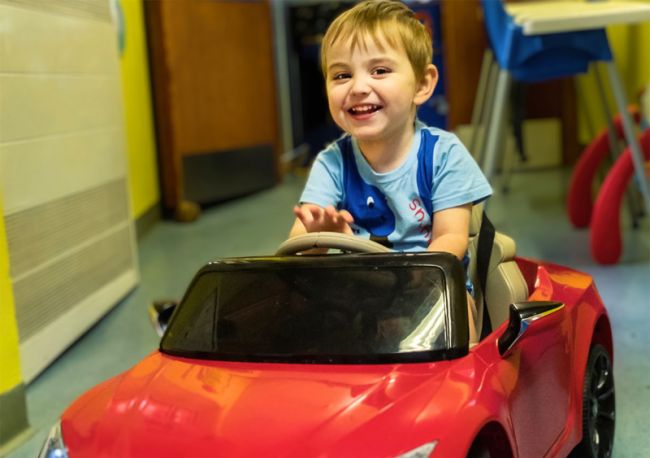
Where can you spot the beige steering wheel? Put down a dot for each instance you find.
(335, 240)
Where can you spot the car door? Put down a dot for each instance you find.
(536, 375)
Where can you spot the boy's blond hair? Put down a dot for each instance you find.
(389, 20)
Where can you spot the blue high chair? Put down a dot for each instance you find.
(542, 40)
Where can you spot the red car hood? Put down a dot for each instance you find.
(168, 406)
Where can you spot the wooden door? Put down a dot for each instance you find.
(215, 101)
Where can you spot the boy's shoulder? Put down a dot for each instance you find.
(442, 134)
(331, 155)
(445, 140)
(334, 147)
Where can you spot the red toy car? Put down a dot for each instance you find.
(359, 355)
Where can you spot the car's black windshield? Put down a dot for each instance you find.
(318, 314)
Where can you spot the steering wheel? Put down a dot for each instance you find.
(336, 240)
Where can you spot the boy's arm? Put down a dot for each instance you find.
(451, 230)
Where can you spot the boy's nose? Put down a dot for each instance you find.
(360, 86)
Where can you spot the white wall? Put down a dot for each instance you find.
(62, 171)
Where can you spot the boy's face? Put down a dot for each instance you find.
(372, 91)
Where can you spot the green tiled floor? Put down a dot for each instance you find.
(533, 213)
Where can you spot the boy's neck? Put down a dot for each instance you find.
(386, 156)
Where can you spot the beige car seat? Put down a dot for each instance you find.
(505, 283)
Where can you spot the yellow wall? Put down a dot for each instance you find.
(140, 139)
(630, 45)
(9, 357)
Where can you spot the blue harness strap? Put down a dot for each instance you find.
(425, 169)
(425, 180)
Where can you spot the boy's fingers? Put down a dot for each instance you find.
(339, 216)
(316, 218)
(332, 213)
(347, 216)
(311, 216)
(305, 216)
(315, 215)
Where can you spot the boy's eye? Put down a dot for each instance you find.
(341, 76)
(381, 71)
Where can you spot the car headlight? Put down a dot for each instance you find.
(423, 451)
(54, 447)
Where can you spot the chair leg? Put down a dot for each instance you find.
(581, 100)
(488, 106)
(615, 147)
(478, 111)
(630, 137)
(495, 133)
(508, 164)
(516, 115)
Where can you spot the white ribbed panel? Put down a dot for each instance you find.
(41, 234)
(43, 347)
(48, 293)
(62, 171)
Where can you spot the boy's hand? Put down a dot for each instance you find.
(328, 219)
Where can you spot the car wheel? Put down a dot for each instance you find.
(479, 450)
(598, 406)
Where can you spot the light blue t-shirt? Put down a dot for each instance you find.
(396, 208)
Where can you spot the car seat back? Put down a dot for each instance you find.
(505, 283)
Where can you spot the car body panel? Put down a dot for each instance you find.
(178, 404)
(173, 406)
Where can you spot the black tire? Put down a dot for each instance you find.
(598, 407)
(479, 450)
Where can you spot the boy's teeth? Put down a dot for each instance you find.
(364, 108)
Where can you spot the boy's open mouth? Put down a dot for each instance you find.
(364, 109)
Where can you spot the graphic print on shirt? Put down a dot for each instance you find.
(365, 202)
(418, 213)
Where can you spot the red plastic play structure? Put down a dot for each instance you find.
(603, 215)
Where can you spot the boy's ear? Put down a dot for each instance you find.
(427, 85)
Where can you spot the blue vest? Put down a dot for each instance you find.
(367, 204)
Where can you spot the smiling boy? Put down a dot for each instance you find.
(390, 178)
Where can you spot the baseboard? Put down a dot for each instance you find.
(14, 427)
(147, 220)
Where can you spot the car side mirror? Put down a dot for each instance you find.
(160, 313)
(522, 314)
